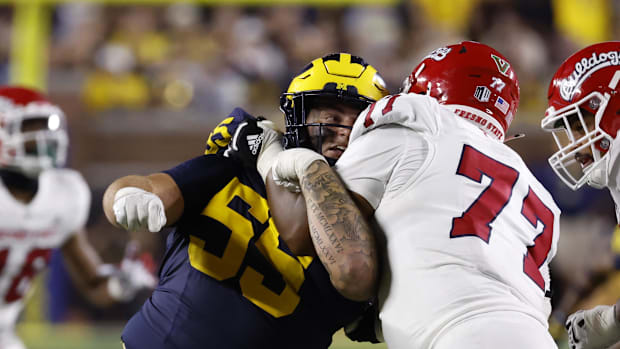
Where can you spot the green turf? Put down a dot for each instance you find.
(69, 336)
(80, 336)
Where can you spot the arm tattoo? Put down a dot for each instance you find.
(336, 225)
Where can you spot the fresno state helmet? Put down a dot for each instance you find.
(33, 133)
(341, 77)
(473, 77)
(584, 113)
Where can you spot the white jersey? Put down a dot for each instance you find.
(469, 229)
(613, 174)
(29, 232)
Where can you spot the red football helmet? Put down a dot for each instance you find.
(472, 76)
(33, 133)
(583, 98)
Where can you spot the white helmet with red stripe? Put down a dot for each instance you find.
(33, 133)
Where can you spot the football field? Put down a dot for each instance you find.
(79, 336)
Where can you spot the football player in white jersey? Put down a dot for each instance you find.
(584, 118)
(43, 207)
(469, 230)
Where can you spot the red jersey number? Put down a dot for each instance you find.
(368, 121)
(535, 211)
(476, 220)
(35, 261)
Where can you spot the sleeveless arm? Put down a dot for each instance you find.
(160, 184)
(341, 235)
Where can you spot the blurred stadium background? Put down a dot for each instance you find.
(143, 83)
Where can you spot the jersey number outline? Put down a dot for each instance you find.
(31, 266)
(220, 137)
(253, 239)
(476, 220)
(368, 121)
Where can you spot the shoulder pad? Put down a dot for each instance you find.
(71, 191)
(417, 112)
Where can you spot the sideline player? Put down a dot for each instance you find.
(584, 117)
(228, 280)
(44, 206)
(470, 231)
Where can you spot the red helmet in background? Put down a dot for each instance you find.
(472, 75)
(33, 134)
(586, 84)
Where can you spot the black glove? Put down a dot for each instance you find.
(221, 136)
(362, 329)
(253, 141)
(246, 142)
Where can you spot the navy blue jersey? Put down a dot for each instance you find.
(227, 280)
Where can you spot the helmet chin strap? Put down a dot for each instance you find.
(513, 137)
(17, 180)
(598, 178)
(330, 161)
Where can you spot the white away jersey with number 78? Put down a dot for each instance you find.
(469, 229)
(29, 232)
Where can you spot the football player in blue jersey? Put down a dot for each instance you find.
(228, 278)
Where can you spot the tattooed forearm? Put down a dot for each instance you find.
(325, 240)
(342, 238)
(323, 226)
(322, 249)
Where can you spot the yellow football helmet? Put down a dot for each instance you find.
(340, 76)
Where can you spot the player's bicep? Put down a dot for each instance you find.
(160, 184)
(170, 194)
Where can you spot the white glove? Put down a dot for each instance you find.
(291, 164)
(136, 209)
(131, 277)
(593, 329)
(272, 146)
